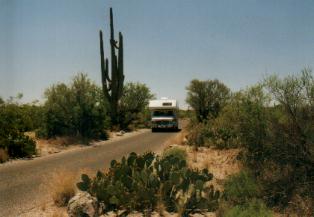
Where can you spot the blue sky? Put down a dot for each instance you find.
(167, 42)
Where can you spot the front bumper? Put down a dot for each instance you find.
(164, 124)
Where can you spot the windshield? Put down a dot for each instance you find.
(163, 113)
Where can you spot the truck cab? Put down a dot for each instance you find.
(164, 114)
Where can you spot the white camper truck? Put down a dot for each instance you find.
(164, 114)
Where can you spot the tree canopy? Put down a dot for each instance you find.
(207, 98)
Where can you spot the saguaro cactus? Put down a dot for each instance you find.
(112, 85)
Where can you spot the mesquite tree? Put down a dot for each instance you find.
(112, 85)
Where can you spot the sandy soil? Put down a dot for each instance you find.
(46, 210)
(221, 163)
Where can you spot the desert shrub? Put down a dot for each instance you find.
(207, 98)
(33, 116)
(224, 130)
(76, 109)
(17, 144)
(199, 135)
(278, 137)
(20, 145)
(220, 131)
(12, 138)
(133, 105)
(254, 208)
(241, 188)
(178, 152)
(273, 124)
(140, 182)
(252, 123)
(26, 116)
(184, 114)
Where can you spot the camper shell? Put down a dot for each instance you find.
(164, 114)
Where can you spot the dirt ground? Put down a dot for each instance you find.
(221, 163)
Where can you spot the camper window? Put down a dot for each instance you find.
(163, 114)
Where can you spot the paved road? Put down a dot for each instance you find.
(20, 181)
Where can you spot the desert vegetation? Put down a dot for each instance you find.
(75, 110)
(143, 182)
(268, 127)
(16, 119)
(272, 124)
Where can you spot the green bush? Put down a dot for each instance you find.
(221, 132)
(207, 98)
(252, 209)
(224, 130)
(133, 105)
(241, 188)
(19, 145)
(13, 125)
(141, 182)
(77, 109)
(177, 152)
(199, 135)
(273, 124)
(278, 137)
(33, 116)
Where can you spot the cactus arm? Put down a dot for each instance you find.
(113, 53)
(102, 58)
(104, 67)
(111, 27)
(120, 65)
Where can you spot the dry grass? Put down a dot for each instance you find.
(4, 156)
(221, 163)
(55, 145)
(43, 206)
(178, 139)
(301, 206)
(61, 186)
(58, 213)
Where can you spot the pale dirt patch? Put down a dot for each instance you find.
(221, 163)
(178, 139)
(50, 146)
(46, 210)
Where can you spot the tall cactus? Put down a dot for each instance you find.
(112, 86)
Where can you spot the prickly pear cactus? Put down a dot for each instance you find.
(139, 182)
